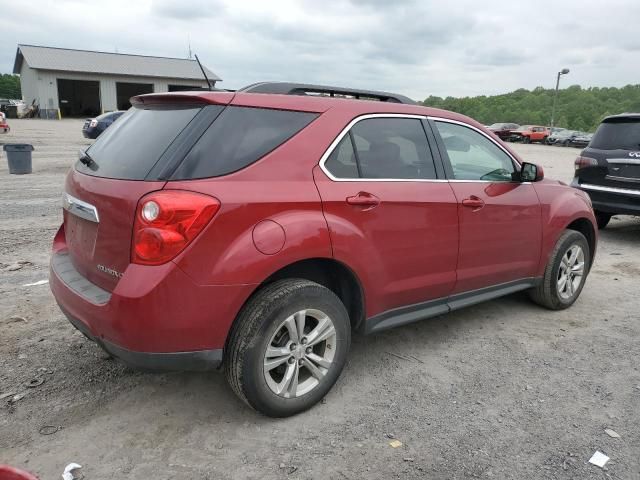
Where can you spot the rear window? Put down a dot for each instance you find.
(130, 148)
(239, 137)
(623, 134)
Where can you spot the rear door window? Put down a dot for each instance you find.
(239, 137)
(623, 134)
(129, 148)
(342, 161)
(385, 148)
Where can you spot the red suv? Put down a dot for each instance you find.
(259, 230)
(530, 133)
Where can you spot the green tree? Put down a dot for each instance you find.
(577, 108)
(10, 86)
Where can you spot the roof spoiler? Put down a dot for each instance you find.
(286, 88)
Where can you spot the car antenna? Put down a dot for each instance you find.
(203, 72)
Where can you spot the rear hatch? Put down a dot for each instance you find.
(616, 148)
(133, 157)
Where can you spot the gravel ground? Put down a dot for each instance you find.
(503, 390)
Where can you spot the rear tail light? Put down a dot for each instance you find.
(582, 162)
(93, 122)
(166, 222)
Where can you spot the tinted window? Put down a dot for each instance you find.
(393, 148)
(624, 135)
(342, 161)
(473, 156)
(239, 137)
(132, 145)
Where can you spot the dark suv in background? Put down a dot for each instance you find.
(93, 127)
(609, 168)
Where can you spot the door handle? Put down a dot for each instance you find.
(473, 202)
(364, 199)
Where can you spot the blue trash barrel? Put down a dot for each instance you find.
(19, 157)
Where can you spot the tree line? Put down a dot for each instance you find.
(10, 86)
(577, 108)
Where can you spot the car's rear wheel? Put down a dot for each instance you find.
(565, 273)
(288, 347)
(602, 219)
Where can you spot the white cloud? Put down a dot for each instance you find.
(414, 47)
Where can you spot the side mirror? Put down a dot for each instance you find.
(530, 172)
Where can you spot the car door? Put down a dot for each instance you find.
(392, 217)
(500, 219)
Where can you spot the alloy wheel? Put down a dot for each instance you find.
(300, 353)
(571, 272)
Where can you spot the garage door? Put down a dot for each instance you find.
(79, 98)
(124, 91)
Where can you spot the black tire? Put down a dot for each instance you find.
(544, 141)
(546, 293)
(526, 140)
(253, 330)
(602, 219)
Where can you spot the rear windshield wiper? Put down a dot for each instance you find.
(85, 158)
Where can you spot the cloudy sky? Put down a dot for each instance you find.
(415, 47)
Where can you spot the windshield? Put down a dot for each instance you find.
(622, 134)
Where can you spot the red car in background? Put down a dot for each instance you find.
(259, 230)
(503, 130)
(4, 126)
(530, 133)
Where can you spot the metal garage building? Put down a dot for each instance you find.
(85, 83)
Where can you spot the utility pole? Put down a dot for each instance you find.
(564, 71)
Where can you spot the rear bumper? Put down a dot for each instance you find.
(612, 200)
(156, 317)
(200, 360)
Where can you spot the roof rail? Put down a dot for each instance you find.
(286, 88)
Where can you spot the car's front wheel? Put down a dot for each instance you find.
(526, 140)
(288, 347)
(565, 273)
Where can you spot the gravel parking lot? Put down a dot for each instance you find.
(504, 389)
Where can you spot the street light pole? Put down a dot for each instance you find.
(564, 71)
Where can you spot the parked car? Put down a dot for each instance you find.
(609, 168)
(93, 127)
(562, 138)
(503, 130)
(530, 133)
(581, 140)
(4, 126)
(261, 230)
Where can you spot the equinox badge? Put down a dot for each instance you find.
(109, 271)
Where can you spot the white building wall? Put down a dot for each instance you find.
(43, 86)
(29, 84)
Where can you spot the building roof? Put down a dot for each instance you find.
(87, 61)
